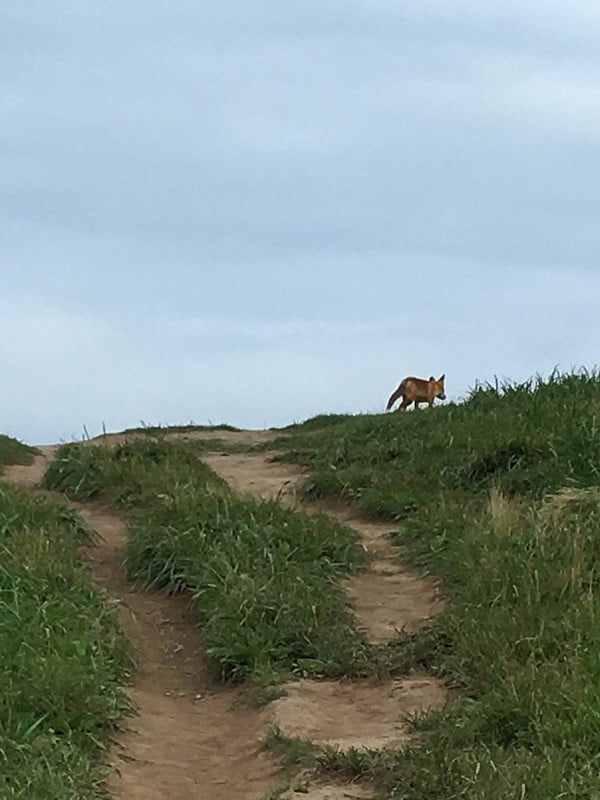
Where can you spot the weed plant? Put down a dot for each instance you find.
(14, 452)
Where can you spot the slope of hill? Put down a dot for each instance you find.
(498, 495)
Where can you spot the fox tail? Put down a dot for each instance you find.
(398, 393)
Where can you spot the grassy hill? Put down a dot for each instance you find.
(525, 439)
(499, 495)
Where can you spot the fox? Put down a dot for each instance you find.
(418, 390)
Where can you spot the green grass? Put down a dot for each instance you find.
(200, 446)
(62, 656)
(526, 439)
(157, 430)
(499, 496)
(131, 475)
(14, 452)
(265, 577)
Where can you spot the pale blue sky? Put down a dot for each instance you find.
(255, 212)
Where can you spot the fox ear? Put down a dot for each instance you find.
(431, 378)
(442, 378)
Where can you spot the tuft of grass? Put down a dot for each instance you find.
(13, 451)
(292, 750)
(130, 474)
(157, 430)
(265, 577)
(318, 423)
(62, 656)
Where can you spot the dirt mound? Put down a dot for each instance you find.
(258, 474)
(351, 714)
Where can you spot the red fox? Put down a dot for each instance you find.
(418, 390)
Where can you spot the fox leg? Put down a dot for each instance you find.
(406, 402)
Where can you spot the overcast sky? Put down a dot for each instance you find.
(253, 212)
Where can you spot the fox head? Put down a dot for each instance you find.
(439, 386)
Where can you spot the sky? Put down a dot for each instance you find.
(254, 212)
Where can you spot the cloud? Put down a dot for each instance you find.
(242, 213)
(67, 368)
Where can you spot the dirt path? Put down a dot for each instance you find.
(189, 739)
(386, 598)
(192, 740)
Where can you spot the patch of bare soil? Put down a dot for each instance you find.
(351, 714)
(231, 437)
(257, 474)
(386, 598)
(331, 792)
(188, 740)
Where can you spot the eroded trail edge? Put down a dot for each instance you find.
(189, 739)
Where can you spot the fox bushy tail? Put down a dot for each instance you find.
(398, 393)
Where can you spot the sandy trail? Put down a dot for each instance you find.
(386, 597)
(189, 740)
(193, 740)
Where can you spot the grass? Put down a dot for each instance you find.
(265, 577)
(499, 496)
(14, 452)
(192, 427)
(62, 655)
(526, 439)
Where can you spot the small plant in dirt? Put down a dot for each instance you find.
(265, 577)
(62, 656)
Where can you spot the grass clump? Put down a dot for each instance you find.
(192, 427)
(62, 656)
(132, 474)
(265, 577)
(14, 452)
